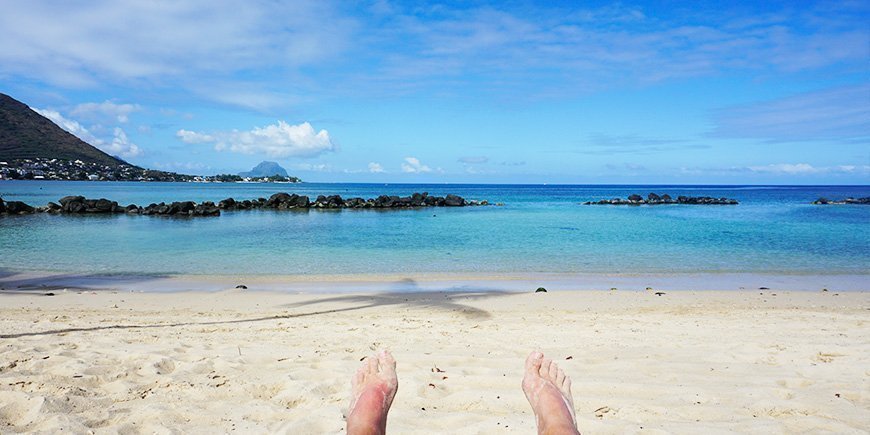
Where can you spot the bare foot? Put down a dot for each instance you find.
(373, 389)
(549, 393)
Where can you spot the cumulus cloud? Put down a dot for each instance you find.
(107, 109)
(193, 137)
(118, 145)
(375, 168)
(275, 140)
(412, 165)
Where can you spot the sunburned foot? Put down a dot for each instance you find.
(549, 393)
(373, 389)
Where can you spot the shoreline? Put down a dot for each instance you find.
(451, 282)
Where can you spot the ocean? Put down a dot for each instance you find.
(539, 229)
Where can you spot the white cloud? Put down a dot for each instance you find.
(412, 165)
(115, 111)
(807, 169)
(121, 145)
(118, 145)
(275, 140)
(193, 137)
(375, 168)
(786, 168)
(89, 43)
(313, 167)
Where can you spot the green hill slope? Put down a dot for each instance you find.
(25, 134)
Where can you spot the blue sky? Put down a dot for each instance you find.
(481, 92)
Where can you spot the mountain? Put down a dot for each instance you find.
(265, 169)
(25, 134)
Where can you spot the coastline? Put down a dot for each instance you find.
(685, 362)
(525, 282)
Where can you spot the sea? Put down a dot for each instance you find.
(536, 229)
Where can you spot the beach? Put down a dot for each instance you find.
(705, 361)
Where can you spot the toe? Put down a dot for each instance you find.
(386, 360)
(560, 377)
(372, 364)
(545, 368)
(566, 385)
(553, 372)
(533, 361)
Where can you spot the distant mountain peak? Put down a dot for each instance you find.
(25, 134)
(265, 169)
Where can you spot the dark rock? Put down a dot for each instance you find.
(242, 287)
(132, 208)
(653, 197)
(635, 198)
(103, 205)
(277, 199)
(67, 199)
(2, 206)
(452, 200)
(48, 294)
(667, 198)
(228, 203)
(541, 290)
(18, 207)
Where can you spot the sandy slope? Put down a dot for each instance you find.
(684, 362)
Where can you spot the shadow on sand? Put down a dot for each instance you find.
(440, 300)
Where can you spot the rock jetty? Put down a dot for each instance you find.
(655, 199)
(278, 201)
(826, 201)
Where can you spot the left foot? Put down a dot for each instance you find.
(373, 389)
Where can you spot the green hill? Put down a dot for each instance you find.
(25, 134)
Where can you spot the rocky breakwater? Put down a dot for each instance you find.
(82, 205)
(15, 207)
(655, 199)
(286, 201)
(856, 201)
(278, 201)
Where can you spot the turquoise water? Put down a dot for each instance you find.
(540, 229)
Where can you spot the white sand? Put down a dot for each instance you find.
(685, 362)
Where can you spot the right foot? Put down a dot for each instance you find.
(374, 387)
(549, 392)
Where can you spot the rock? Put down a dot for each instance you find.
(452, 200)
(242, 287)
(103, 205)
(2, 206)
(635, 198)
(18, 207)
(228, 203)
(541, 290)
(653, 197)
(277, 199)
(67, 199)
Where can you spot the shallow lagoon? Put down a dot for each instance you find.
(540, 229)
